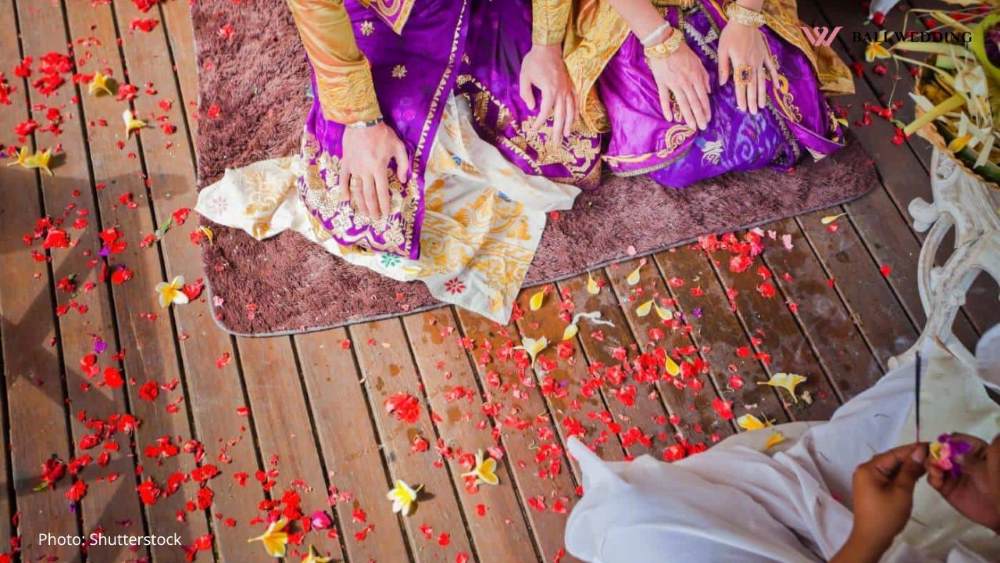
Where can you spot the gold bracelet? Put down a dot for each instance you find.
(365, 124)
(666, 47)
(745, 16)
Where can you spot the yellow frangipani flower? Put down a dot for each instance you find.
(673, 370)
(876, 50)
(533, 347)
(132, 123)
(644, 309)
(535, 303)
(172, 292)
(826, 220)
(314, 557)
(403, 497)
(26, 159)
(485, 470)
(99, 84)
(633, 278)
(775, 439)
(592, 287)
(750, 422)
(275, 538)
(40, 160)
(787, 381)
(663, 312)
(570, 332)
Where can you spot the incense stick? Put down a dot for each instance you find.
(916, 389)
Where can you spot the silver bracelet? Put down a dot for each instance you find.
(366, 124)
(649, 39)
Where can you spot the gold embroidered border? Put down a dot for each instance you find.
(579, 147)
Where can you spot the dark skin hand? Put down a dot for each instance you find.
(883, 501)
(976, 491)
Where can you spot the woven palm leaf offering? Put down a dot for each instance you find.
(957, 91)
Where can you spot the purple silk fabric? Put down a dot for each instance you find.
(499, 38)
(643, 141)
(414, 73)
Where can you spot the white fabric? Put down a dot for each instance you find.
(483, 217)
(737, 503)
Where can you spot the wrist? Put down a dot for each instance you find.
(547, 48)
(668, 46)
(869, 544)
(366, 123)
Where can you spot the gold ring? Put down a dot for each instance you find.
(743, 74)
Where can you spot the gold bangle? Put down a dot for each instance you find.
(666, 47)
(746, 16)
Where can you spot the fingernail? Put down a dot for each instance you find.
(919, 454)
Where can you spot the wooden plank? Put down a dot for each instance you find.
(501, 533)
(856, 277)
(203, 347)
(717, 332)
(535, 453)
(688, 398)
(147, 333)
(353, 459)
(37, 424)
(111, 505)
(8, 497)
(774, 332)
(561, 371)
(823, 317)
(635, 402)
(282, 422)
(384, 357)
(903, 177)
(177, 25)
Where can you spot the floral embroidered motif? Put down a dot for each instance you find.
(367, 28)
(454, 286)
(711, 152)
(399, 71)
(390, 260)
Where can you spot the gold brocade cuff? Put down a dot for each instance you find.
(745, 16)
(548, 21)
(349, 97)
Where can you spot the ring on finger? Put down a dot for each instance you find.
(743, 74)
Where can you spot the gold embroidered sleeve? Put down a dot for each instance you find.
(343, 75)
(548, 21)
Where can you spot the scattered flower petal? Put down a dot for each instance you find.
(275, 538)
(403, 497)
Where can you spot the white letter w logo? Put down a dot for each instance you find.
(821, 36)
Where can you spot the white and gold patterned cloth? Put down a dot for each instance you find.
(483, 219)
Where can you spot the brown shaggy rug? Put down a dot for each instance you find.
(256, 83)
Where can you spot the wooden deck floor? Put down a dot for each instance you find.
(301, 423)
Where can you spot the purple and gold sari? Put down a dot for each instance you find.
(796, 119)
(438, 48)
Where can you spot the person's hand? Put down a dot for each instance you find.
(743, 47)
(975, 492)
(543, 68)
(364, 168)
(681, 76)
(883, 494)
